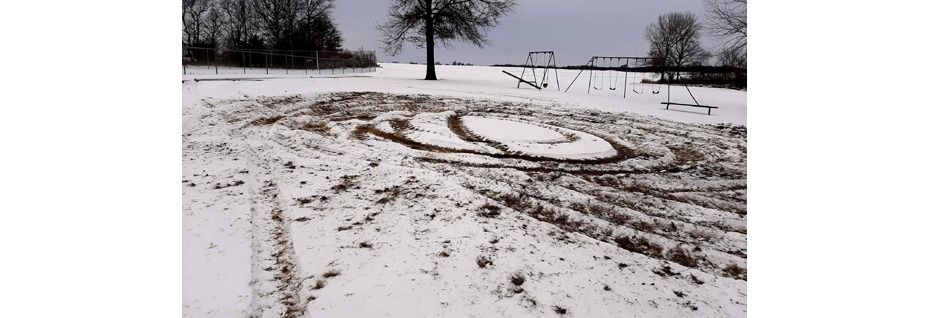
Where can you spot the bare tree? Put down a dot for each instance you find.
(192, 19)
(281, 20)
(674, 41)
(214, 24)
(734, 57)
(315, 29)
(239, 22)
(277, 18)
(727, 21)
(423, 22)
(317, 8)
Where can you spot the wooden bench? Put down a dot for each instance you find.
(667, 104)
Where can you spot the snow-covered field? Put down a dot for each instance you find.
(383, 195)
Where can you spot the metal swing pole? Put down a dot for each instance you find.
(555, 67)
(591, 75)
(625, 73)
(533, 68)
(524, 68)
(217, 69)
(579, 75)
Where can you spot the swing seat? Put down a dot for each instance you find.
(667, 104)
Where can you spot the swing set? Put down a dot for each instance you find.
(602, 68)
(608, 67)
(531, 62)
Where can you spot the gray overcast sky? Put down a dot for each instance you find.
(574, 29)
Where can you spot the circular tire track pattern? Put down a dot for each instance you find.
(669, 192)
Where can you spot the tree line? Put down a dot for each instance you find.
(260, 24)
(674, 44)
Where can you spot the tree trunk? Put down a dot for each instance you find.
(430, 44)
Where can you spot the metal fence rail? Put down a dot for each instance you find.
(197, 60)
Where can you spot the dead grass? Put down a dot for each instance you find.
(560, 310)
(696, 281)
(643, 226)
(684, 155)
(365, 244)
(483, 261)
(266, 121)
(331, 273)
(390, 194)
(735, 271)
(489, 210)
(640, 245)
(316, 127)
(346, 182)
(703, 235)
(227, 185)
(683, 257)
(456, 126)
(400, 125)
(319, 284)
(665, 271)
(517, 279)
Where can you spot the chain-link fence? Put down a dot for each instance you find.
(196, 60)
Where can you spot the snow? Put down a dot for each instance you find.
(288, 177)
(510, 131)
(539, 141)
(489, 82)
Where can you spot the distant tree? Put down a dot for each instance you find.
(727, 22)
(674, 41)
(277, 19)
(214, 24)
(424, 22)
(732, 57)
(192, 18)
(240, 22)
(319, 33)
(296, 24)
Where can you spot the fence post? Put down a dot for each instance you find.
(217, 69)
(317, 59)
(285, 65)
(266, 63)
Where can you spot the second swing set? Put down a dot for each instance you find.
(608, 68)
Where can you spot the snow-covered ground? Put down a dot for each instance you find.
(381, 194)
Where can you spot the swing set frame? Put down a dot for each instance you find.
(531, 59)
(592, 66)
